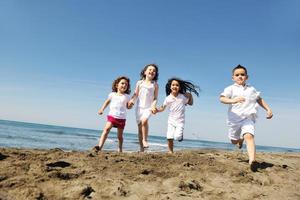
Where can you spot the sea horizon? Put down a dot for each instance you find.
(20, 134)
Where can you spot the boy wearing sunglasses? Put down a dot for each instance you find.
(243, 101)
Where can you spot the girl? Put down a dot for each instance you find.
(118, 100)
(177, 98)
(146, 93)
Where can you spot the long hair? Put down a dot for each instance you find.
(142, 74)
(115, 83)
(184, 86)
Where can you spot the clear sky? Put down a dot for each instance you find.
(58, 59)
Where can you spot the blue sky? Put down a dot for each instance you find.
(58, 59)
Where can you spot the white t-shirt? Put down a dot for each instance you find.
(118, 105)
(177, 108)
(247, 109)
(145, 94)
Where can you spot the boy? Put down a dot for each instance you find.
(243, 102)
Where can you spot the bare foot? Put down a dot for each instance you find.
(145, 144)
(96, 149)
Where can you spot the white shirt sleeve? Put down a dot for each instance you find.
(227, 92)
(257, 94)
(166, 101)
(137, 86)
(110, 96)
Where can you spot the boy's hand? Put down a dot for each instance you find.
(269, 114)
(239, 100)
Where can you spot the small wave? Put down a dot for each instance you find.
(110, 140)
(70, 133)
(50, 131)
(158, 144)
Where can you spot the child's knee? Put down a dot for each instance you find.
(248, 136)
(144, 122)
(107, 129)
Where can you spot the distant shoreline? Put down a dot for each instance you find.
(32, 135)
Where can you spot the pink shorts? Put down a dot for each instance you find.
(117, 123)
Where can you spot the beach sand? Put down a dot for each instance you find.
(198, 174)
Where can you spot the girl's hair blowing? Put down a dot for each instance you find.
(184, 86)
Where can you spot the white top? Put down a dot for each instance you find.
(177, 108)
(118, 105)
(247, 109)
(145, 94)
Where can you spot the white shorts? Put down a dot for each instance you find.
(142, 114)
(237, 130)
(175, 132)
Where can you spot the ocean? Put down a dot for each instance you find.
(41, 136)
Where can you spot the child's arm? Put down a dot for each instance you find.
(265, 106)
(190, 97)
(132, 100)
(161, 108)
(153, 106)
(128, 105)
(227, 100)
(135, 95)
(105, 104)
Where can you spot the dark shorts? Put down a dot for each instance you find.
(117, 123)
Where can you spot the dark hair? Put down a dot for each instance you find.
(240, 67)
(184, 86)
(116, 82)
(145, 68)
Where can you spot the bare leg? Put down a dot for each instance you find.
(141, 137)
(104, 134)
(170, 145)
(145, 129)
(120, 137)
(250, 147)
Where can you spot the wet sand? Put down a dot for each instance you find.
(198, 174)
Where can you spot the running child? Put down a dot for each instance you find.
(146, 92)
(243, 101)
(118, 100)
(178, 96)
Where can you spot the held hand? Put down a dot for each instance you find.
(129, 106)
(154, 110)
(131, 103)
(269, 114)
(239, 100)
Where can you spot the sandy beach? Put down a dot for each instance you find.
(197, 174)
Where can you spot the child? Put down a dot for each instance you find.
(243, 101)
(177, 98)
(146, 93)
(118, 100)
